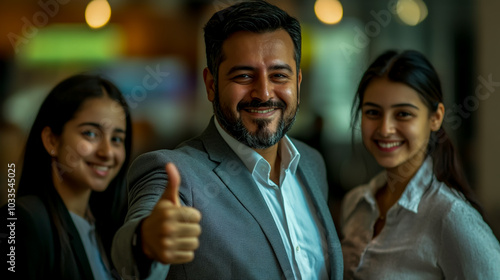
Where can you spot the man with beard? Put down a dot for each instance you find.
(252, 201)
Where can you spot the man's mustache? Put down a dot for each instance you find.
(258, 104)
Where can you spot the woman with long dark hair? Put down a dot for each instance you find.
(71, 195)
(418, 219)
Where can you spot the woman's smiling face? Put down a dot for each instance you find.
(91, 148)
(396, 124)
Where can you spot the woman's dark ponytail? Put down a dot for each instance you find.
(448, 168)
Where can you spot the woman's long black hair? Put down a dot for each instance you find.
(414, 70)
(60, 106)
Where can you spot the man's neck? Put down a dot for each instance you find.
(272, 156)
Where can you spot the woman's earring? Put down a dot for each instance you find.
(52, 152)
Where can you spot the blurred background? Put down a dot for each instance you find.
(154, 51)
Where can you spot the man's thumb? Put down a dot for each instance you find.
(174, 181)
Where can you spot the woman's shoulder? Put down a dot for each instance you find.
(33, 223)
(31, 203)
(444, 199)
(452, 209)
(466, 240)
(34, 243)
(32, 213)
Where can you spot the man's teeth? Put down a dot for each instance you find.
(260, 111)
(100, 168)
(389, 145)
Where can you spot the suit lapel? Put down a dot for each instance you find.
(243, 187)
(79, 252)
(308, 178)
(80, 256)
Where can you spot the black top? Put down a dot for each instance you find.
(37, 252)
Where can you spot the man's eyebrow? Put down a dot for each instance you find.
(250, 68)
(239, 68)
(281, 67)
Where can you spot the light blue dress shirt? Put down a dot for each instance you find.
(87, 235)
(290, 205)
(432, 232)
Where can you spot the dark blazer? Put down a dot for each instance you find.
(37, 249)
(239, 238)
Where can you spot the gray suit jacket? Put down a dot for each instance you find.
(239, 238)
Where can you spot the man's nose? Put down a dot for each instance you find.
(262, 89)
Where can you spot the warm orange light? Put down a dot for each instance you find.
(97, 13)
(328, 11)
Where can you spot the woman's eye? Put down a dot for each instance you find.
(89, 134)
(118, 139)
(371, 113)
(404, 114)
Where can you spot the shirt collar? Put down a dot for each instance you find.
(411, 197)
(290, 156)
(82, 225)
(365, 193)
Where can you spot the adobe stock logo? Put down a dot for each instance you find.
(39, 19)
(483, 91)
(149, 83)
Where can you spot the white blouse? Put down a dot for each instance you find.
(432, 232)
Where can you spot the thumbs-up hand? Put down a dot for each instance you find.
(170, 233)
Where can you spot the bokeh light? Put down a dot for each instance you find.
(411, 12)
(328, 11)
(97, 13)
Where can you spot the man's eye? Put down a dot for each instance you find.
(242, 78)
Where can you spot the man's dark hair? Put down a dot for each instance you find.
(254, 16)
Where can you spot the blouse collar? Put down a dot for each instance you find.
(411, 197)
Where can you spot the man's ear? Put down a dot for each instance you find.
(50, 141)
(299, 81)
(209, 80)
(437, 117)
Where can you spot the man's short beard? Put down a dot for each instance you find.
(262, 138)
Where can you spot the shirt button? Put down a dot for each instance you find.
(297, 248)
